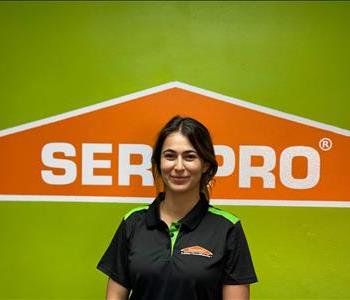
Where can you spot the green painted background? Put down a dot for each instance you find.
(58, 56)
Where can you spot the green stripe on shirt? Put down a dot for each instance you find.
(223, 213)
(134, 210)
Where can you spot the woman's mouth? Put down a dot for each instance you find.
(179, 179)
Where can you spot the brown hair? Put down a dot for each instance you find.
(199, 137)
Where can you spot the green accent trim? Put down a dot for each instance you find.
(225, 214)
(133, 210)
(173, 233)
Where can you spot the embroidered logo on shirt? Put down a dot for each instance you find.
(196, 250)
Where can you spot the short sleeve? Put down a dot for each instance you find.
(239, 267)
(114, 261)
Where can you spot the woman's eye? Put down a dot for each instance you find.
(173, 156)
(169, 156)
(190, 157)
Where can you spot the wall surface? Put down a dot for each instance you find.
(59, 56)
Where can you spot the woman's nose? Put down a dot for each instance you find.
(179, 164)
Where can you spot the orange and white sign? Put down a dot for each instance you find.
(102, 153)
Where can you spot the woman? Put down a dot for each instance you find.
(179, 247)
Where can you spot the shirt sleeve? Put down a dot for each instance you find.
(239, 267)
(114, 261)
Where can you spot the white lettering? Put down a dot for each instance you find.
(60, 170)
(126, 169)
(247, 171)
(48, 159)
(89, 164)
(228, 157)
(313, 167)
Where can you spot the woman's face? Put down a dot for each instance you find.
(181, 167)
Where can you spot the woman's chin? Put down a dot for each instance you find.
(178, 188)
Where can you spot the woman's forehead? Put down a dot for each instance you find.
(177, 141)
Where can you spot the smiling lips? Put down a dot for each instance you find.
(179, 179)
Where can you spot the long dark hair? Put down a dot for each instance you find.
(199, 137)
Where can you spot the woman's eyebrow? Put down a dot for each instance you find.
(185, 152)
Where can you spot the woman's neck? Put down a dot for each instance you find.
(176, 205)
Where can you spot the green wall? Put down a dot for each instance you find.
(58, 56)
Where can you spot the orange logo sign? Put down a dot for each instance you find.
(102, 152)
(196, 250)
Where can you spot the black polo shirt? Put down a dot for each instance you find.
(192, 259)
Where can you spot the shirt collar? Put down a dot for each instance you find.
(191, 220)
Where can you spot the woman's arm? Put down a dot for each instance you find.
(116, 291)
(235, 292)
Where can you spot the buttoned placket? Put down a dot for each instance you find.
(174, 230)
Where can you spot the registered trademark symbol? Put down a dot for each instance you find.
(325, 144)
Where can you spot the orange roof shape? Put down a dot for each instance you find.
(102, 152)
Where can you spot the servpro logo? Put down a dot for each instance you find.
(126, 169)
(197, 251)
(102, 152)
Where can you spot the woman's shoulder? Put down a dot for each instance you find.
(143, 211)
(136, 211)
(223, 214)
